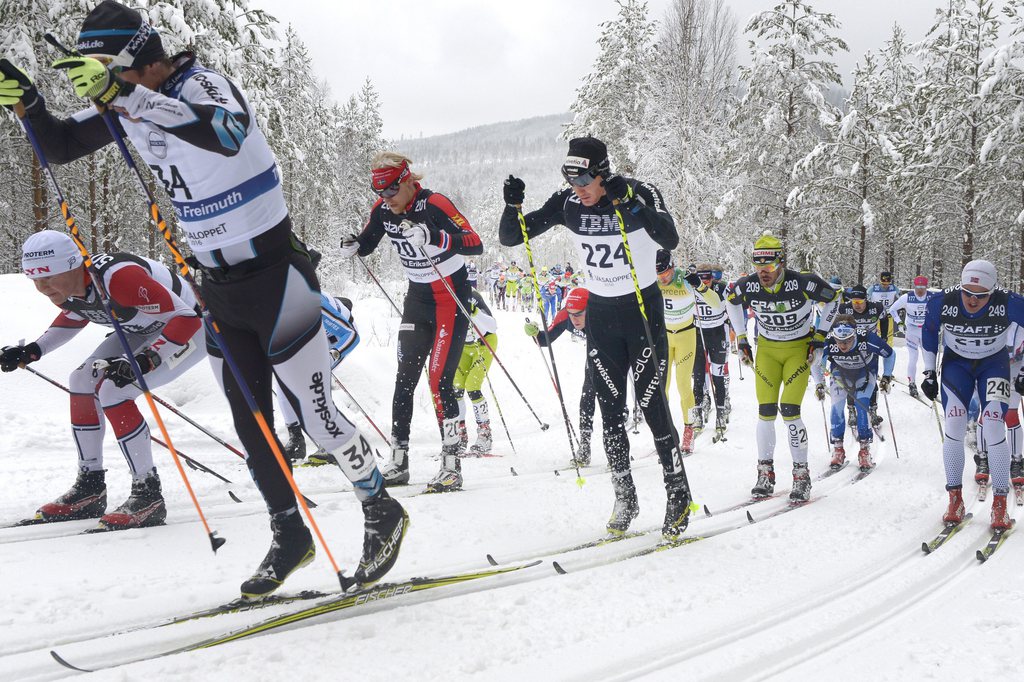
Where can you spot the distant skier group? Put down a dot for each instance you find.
(257, 313)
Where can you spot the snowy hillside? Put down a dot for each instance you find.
(838, 589)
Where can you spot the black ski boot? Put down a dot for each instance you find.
(801, 483)
(913, 390)
(765, 485)
(384, 526)
(981, 474)
(626, 508)
(295, 449)
(677, 508)
(87, 499)
(143, 508)
(873, 417)
(396, 472)
(583, 451)
(291, 549)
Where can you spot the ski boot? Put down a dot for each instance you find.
(851, 415)
(677, 507)
(765, 485)
(705, 408)
(320, 458)
(396, 471)
(626, 508)
(291, 549)
(449, 478)
(295, 449)
(583, 451)
(981, 473)
(87, 499)
(384, 526)
(483, 443)
(913, 390)
(873, 417)
(955, 511)
(698, 420)
(1017, 479)
(864, 456)
(801, 483)
(463, 437)
(1000, 517)
(721, 424)
(143, 508)
(838, 455)
(686, 447)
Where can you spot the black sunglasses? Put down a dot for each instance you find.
(583, 179)
(389, 191)
(977, 296)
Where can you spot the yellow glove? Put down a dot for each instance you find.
(92, 79)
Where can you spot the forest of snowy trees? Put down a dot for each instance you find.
(914, 163)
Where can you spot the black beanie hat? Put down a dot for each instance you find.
(586, 155)
(113, 30)
(663, 260)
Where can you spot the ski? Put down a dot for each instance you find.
(719, 435)
(994, 543)
(945, 534)
(338, 602)
(757, 500)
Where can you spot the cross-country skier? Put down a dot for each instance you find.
(975, 320)
(784, 303)
(342, 338)
(512, 279)
(851, 355)
(431, 237)
(472, 370)
(616, 336)
(913, 304)
(163, 327)
(197, 132)
(573, 319)
(680, 291)
(885, 293)
(868, 316)
(712, 345)
(551, 294)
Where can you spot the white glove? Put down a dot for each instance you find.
(349, 246)
(416, 234)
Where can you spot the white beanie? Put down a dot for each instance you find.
(49, 253)
(980, 273)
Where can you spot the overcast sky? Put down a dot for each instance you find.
(445, 65)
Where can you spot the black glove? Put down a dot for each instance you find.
(119, 370)
(515, 191)
(693, 280)
(16, 86)
(884, 383)
(13, 357)
(1018, 383)
(930, 385)
(746, 352)
(618, 189)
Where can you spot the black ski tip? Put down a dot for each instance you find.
(556, 473)
(981, 556)
(310, 503)
(750, 519)
(707, 512)
(491, 560)
(234, 497)
(191, 465)
(558, 568)
(57, 657)
(925, 548)
(545, 427)
(345, 582)
(216, 542)
(513, 470)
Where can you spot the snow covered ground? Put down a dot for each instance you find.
(839, 588)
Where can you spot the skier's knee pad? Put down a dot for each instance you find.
(789, 410)
(768, 410)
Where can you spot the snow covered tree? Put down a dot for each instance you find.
(781, 116)
(611, 100)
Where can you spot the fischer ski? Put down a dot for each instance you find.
(338, 602)
(994, 543)
(945, 534)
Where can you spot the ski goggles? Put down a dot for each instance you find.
(885, 280)
(769, 263)
(976, 296)
(578, 313)
(843, 332)
(386, 181)
(583, 179)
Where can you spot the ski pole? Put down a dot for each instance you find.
(678, 464)
(551, 352)
(213, 328)
(193, 464)
(359, 407)
(104, 298)
(824, 419)
(938, 421)
(480, 335)
(558, 392)
(500, 414)
(892, 429)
